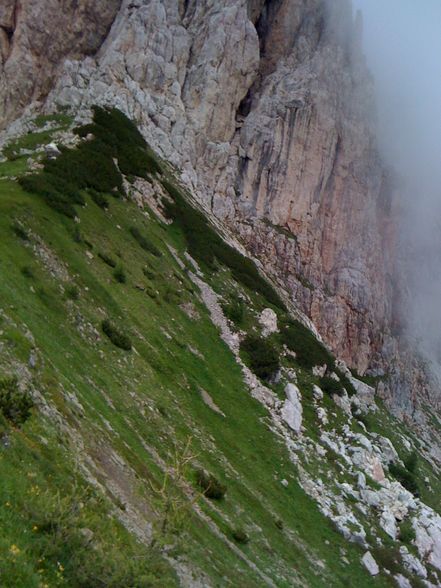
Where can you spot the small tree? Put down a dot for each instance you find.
(14, 404)
(174, 505)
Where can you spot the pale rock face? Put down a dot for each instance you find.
(370, 564)
(268, 320)
(428, 537)
(292, 408)
(35, 38)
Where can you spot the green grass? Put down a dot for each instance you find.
(124, 415)
(125, 391)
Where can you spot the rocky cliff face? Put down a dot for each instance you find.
(36, 37)
(265, 107)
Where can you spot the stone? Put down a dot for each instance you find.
(317, 392)
(361, 480)
(388, 523)
(268, 321)
(284, 483)
(52, 151)
(292, 408)
(319, 370)
(322, 415)
(402, 581)
(370, 564)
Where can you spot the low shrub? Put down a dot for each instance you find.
(148, 273)
(91, 165)
(72, 292)
(411, 462)
(107, 259)
(407, 533)
(346, 383)
(389, 558)
(331, 386)
(261, 356)
(15, 405)
(405, 477)
(309, 351)
(20, 232)
(144, 243)
(76, 235)
(234, 311)
(27, 271)
(116, 337)
(210, 486)
(206, 246)
(171, 295)
(120, 275)
(240, 536)
(99, 199)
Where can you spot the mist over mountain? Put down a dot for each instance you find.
(403, 47)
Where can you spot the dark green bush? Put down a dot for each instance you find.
(262, 357)
(99, 199)
(91, 166)
(206, 246)
(120, 275)
(309, 351)
(407, 533)
(116, 337)
(15, 405)
(331, 386)
(26, 270)
(411, 462)
(148, 273)
(234, 310)
(240, 536)
(72, 292)
(346, 383)
(20, 232)
(405, 477)
(144, 243)
(210, 486)
(388, 557)
(121, 135)
(107, 259)
(76, 235)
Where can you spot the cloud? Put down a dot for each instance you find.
(402, 43)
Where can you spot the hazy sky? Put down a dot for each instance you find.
(402, 41)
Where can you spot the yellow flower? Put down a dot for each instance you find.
(60, 567)
(8, 504)
(14, 550)
(35, 528)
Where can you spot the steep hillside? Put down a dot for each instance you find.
(266, 109)
(187, 428)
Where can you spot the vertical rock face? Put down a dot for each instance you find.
(266, 107)
(35, 38)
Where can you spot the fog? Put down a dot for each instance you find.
(402, 43)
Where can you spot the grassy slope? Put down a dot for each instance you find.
(141, 405)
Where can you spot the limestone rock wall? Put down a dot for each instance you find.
(35, 38)
(266, 108)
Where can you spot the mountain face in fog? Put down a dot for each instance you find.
(403, 48)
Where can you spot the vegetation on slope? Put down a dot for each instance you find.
(120, 418)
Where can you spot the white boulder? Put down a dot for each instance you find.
(268, 320)
(292, 408)
(370, 564)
